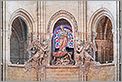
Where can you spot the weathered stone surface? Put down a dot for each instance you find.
(62, 73)
(40, 13)
(19, 73)
(103, 72)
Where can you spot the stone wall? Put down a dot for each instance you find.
(103, 73)
(40, 13)
(19, 73)
(62, 73)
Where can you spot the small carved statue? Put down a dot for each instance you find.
(79, 49)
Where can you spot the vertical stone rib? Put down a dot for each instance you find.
(118, 53)
(85, 20)
(38, 20)
(1, 40)
(4, 41)
(43, 17)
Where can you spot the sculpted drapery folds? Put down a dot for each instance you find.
(63, 39)
(63, 43)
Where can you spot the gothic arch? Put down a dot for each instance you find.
(97, 16)
(62, 14)
(27, 19)
(65, 15)
(94, 21)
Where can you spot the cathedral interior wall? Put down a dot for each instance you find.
(41, 13)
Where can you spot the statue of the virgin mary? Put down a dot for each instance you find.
(63, 40)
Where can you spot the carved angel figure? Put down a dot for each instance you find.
(79, 49)
(38, 54)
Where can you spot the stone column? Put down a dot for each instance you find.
(4, 41)
(117, 59)
(1, 33)
(120, 36)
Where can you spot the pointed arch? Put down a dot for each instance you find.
(26, 17)
(65, 15)
(96, 18)
(21, 26)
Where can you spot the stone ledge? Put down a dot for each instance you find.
(60, 67)
(107, 64)
(16, 65)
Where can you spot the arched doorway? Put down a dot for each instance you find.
(104, 40)
(62, 47)
(18, 41)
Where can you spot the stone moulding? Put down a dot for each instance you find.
(65, 14)
(25, 15)
(97, 15)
